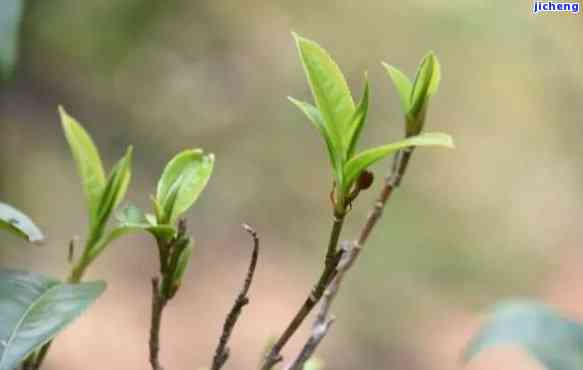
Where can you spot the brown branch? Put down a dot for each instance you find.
(158, 304)
(332, 259)
(350, 253)
(164, 287)
(222, 352)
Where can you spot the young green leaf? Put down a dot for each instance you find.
(315, 117)
(329, 88)
(19, 224)
(402, 84)
(181, 266)
(88, 162)
(115, 189)
(425, 86)
(357, 122)
(165, 232)
(554, 340)
(34, 308)
(182, 181)
(363, 160)
(132, 219)
(10, 18)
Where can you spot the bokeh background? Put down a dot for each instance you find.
(498, 217)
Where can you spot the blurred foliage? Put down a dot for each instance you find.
(469, 226)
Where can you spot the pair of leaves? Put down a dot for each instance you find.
(19, 224)
(102, 194)
(415, 95)
(181, 183)
(34, 308)
(10, 19)
(340, 122)
(554, 340)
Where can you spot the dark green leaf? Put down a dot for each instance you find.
(10, 18)
(88, 162)
(19, 224)
(33, 309)
(182, 181)
(551, 338)
(329, 88)
(363, 160)
(402, 84)
(357, 121)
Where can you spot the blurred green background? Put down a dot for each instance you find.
(497, 217)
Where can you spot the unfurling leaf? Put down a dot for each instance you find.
(315, 117)
(402, 84)
(133, 219)
(182, 181)
(182, 263)
(357, 121)
(363, 160)
(554, 340)
(19, 224)
(415, 95)
(34, 308)
(329, 88)
(116, 188)
(88, 163)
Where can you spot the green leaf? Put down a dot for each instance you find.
(88, 162)
(329, 89)
(181, 183)
(357, 121)
(10, 18)
(363, 160)
(554, 340)
(316, 118)
(165, 232)
(133, 219)
(115, 189)
(34, 308)
(402, 84)
(425, 86)
(19, 224)
(181, 265)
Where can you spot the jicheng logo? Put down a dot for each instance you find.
(556, 7)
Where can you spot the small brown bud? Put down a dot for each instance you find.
(365, 180)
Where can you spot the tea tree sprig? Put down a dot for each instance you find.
(428, 75)
(103, 194)
(340, 122)
(182, 181)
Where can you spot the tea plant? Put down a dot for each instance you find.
(34, 308)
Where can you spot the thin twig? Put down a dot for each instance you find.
(328, 273)
(222, 352)
(350, 253)
(158, 304)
